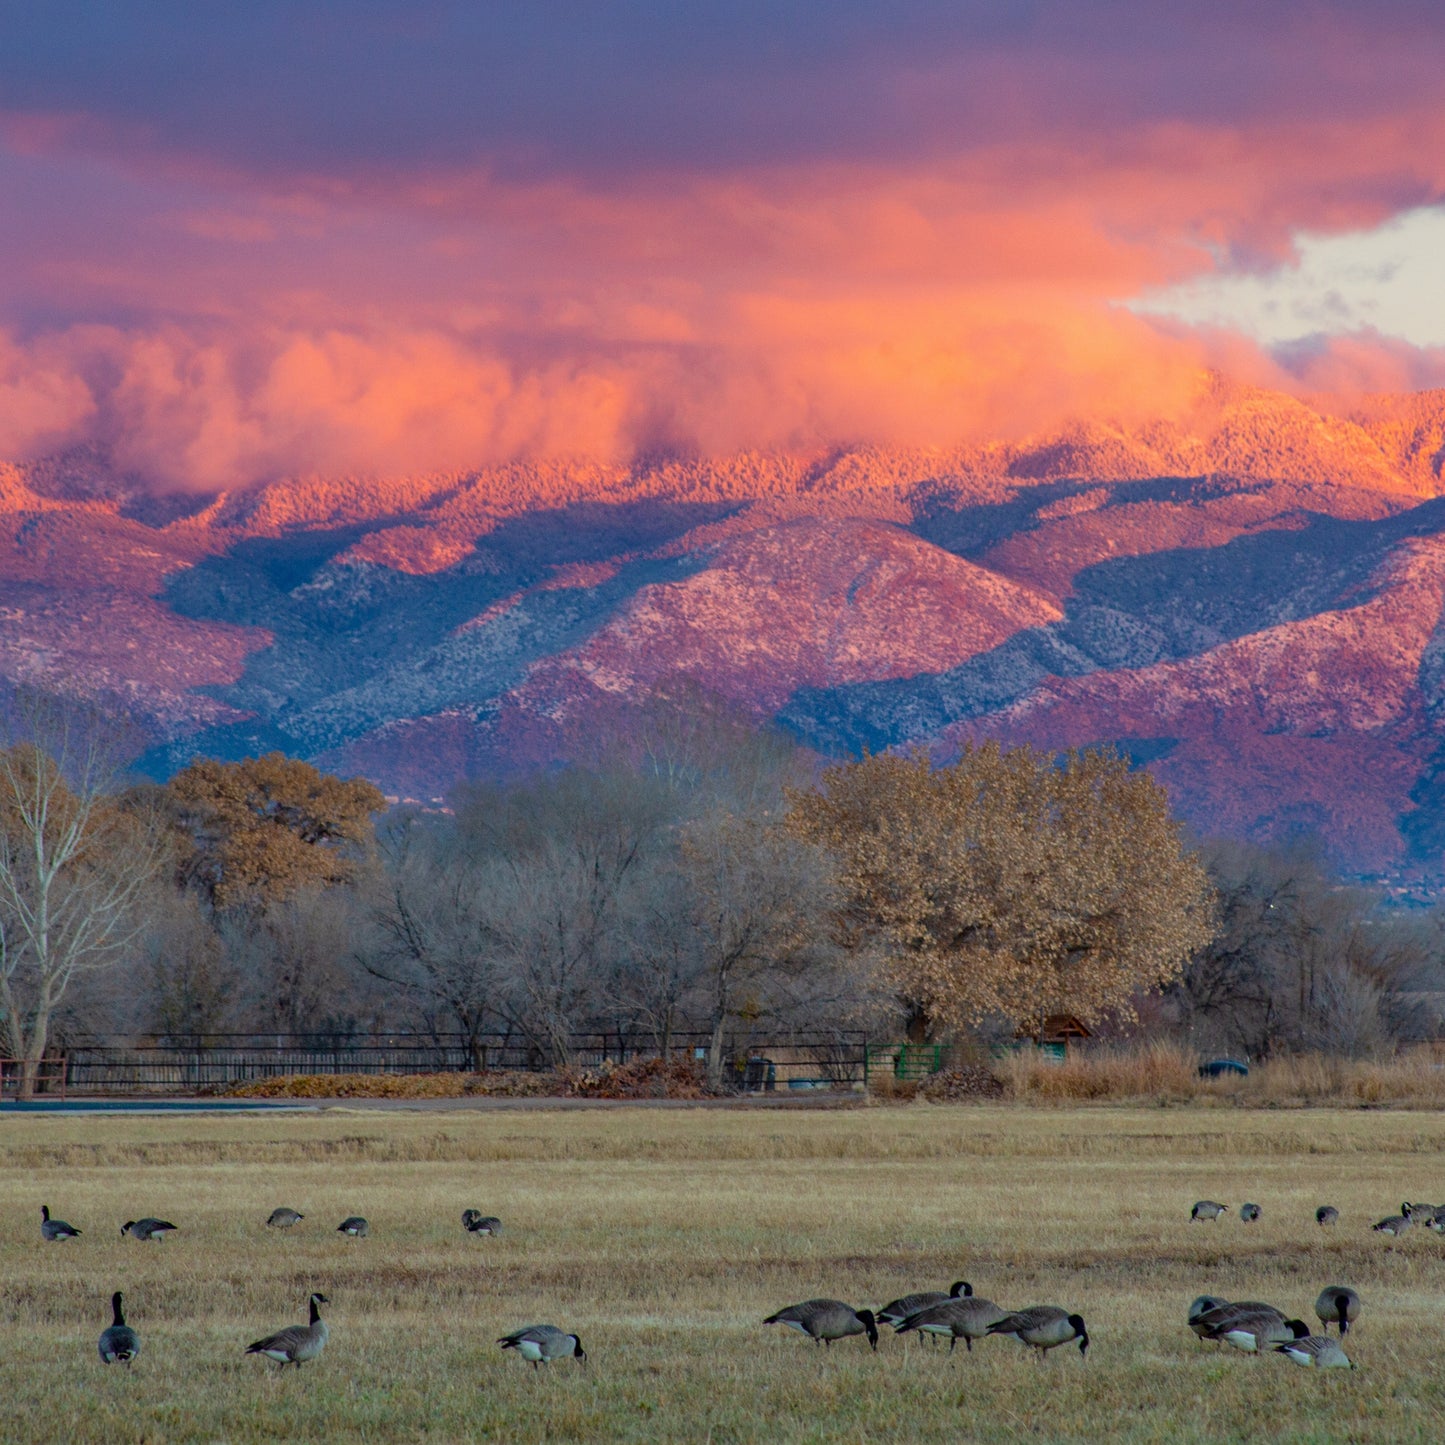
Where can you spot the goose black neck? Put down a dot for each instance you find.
(115, 1308)
(315, 1310)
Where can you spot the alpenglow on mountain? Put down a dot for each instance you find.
(1248, 601)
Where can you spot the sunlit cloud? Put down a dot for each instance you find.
(465, 235)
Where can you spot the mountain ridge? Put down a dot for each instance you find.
(1250, 593)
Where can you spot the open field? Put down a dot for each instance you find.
(664, 1237)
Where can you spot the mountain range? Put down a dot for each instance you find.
(1247, 598)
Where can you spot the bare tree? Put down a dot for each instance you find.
(760, 902)
(436, 930)
(73, 864)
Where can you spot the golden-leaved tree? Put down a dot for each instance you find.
(1011, 883)
(266, 828)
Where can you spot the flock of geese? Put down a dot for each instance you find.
(957, 1314)
(119, 1344)
(1430, 1216)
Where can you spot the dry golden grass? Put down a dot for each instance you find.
(1168, 1072)
(664, 1237)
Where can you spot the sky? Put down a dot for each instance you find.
(247, 241)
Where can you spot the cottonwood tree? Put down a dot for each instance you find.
(267, 828)
(73, 865)
(1012, 883)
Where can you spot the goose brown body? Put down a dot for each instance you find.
(960, 1319)
(1044, 1327)
(826, 1320)
(1338, 1305)
(296, 1343)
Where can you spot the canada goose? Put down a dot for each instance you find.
(899, 1310)
(1211, 1324)
(55, 1229)
(1201, 1306)
(1436, 1221)
(147, 1228)
(1327, 1214)
(284, 1218)
(1338, 1305)
(1251, 1332)
(1043, 1327)
(1395, 1224)
(826, 1320)
(543, 1343)
(1319, 1352)
(967, 1319)
(118, 1341)
(355, 1226)
(296, 1343)
(1248, 1213)
(475, 1222)
(1207, 1209)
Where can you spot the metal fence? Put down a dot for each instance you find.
(793, 1060)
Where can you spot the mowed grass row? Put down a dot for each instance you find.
(663, 1238)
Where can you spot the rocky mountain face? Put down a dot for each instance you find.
(1247, 599)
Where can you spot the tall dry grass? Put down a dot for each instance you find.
(1169, 1072)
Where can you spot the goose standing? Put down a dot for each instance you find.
(118, 1342)
(284, 1218)
(475, 1222)
(1327, 1214)
(966, 1319)
(1043, 1327)
(895, 1312)
(826, 1320)
(1208, 1209)
(146, 1228)
(1317, 1352)
(1395, 1224)
(541, 1344)
(355, 1226)
(296, 1343)
(55, 1230)
(1338, 1305)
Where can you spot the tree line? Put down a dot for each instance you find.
(704, 875)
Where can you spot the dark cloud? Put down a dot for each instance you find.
(571, 86)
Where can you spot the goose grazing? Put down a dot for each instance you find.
(966, 1319)
(1043, 1328)
(542, 1344)
(1202, 1306)
(1395, 1224)
(296, 1343)
(1317, 1352)
(1338, 1305)
(284, 1218)
(55, 1229)
(826, 1320)
(355, 1226)
(1327, 1214)
(147, 1229)
(475, 1222)
(1251, 1333)
(1207, 1209)
(895, 1312)
(118, 1342)
(1248, 1213)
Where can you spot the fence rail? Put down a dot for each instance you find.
(796, 1060)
